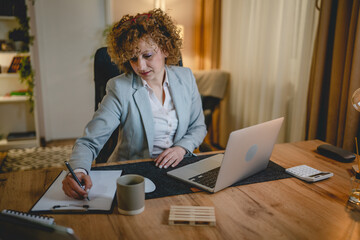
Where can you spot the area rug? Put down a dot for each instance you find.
(35, 158)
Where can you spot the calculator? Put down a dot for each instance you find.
(308, 174)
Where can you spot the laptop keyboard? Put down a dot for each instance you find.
(207, 178)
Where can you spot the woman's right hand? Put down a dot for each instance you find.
(72, 189)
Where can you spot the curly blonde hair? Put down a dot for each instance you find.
(155, 26)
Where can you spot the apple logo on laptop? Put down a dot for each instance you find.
(251, 152)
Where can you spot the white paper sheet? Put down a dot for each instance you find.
(101, 194)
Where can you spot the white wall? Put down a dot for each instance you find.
(68, 33)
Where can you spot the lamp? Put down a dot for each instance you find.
(356, 99)
(160, 4)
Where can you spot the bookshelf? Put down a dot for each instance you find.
(15, 115)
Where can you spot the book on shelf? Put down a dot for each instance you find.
(16, 136)
(21, 92)
(16, 63)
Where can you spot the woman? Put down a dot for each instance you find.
(157, 105)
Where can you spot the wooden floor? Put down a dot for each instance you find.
(60, 142)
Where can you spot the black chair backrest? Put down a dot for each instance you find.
(104, 70)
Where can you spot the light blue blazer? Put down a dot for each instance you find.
(127, 104)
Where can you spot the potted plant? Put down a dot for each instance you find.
(19, 37)
(27, 77)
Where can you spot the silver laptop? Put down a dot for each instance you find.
(247, 152)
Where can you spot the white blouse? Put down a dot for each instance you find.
(165, 119)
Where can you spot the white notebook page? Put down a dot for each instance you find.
(101, 194)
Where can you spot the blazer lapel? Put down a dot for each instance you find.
(142, 102)
(176, 90)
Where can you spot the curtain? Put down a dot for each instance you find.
(207, 49)
(267, 48)
(335, 75)
(207, 35)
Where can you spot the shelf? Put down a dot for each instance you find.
(10, 82)
(13, 99)
(9, 52)
(14, 53)
(9, 76)
(6, 145)
(8, 18)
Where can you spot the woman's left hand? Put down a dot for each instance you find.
(171, 156)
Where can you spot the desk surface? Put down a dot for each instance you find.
(282, 209)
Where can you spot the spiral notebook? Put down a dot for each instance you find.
(20, 225)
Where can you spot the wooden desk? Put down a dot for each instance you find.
(283, 209)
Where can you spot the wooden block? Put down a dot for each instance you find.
(192, 215)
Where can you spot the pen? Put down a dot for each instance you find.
(74, 176)
(71, 205)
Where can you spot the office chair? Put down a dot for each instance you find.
(209, 104)
(104, 70)
(212, 85)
